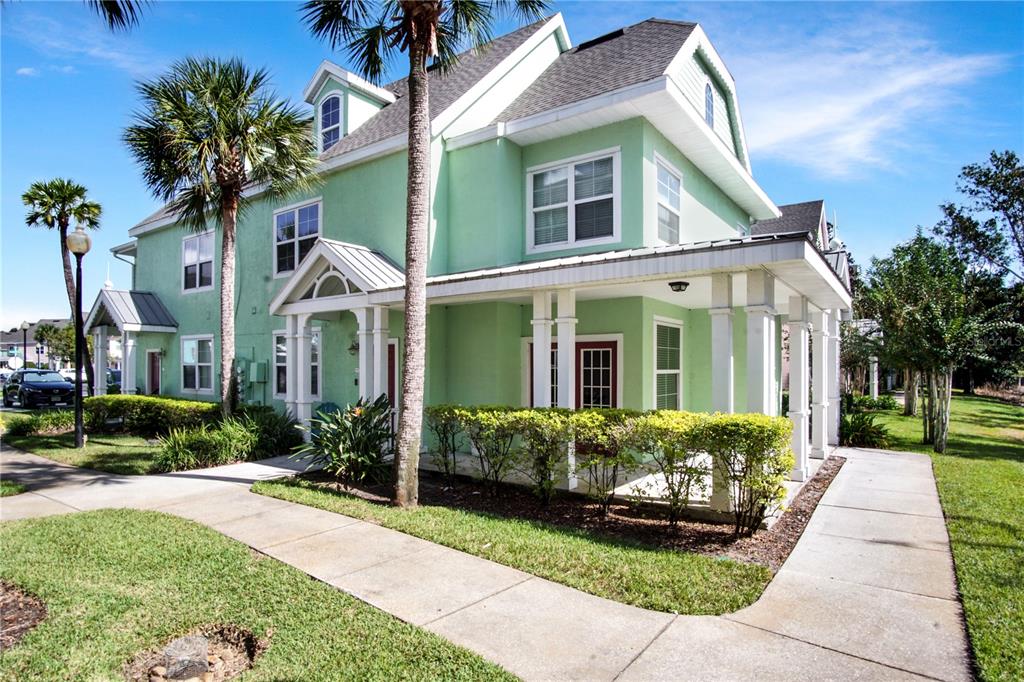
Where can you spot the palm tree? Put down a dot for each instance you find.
(55, 204)
(118, 14)
(209, 130)
(426, 30)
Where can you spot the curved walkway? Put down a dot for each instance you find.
(868, 592)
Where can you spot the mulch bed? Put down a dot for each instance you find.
(625, 521)
(19, 613)
(231, 651)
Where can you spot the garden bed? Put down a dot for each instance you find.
(19, 613)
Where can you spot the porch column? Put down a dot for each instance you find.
(541, 349)
(873, 376)
(128, 362)
(566, 322)
(364, 316)
(761, 343)
(721, 373)
(798, 386)
(820, 376)
(380, 350)
(834, 395)
(291, 371)
(303, 397)
(99, 357)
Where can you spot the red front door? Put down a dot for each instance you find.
(597, 374)
(153, 370)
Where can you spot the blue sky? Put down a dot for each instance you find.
(873, 107)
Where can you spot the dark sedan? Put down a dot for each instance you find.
(38, 388)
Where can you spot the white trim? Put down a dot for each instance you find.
(661, 321)
(525, 341)
(571, 241)
(660, 160)
(318, 118)
(477, 136)
(160, 359)
(318, 331)
(198, 263)
(181, 364)
(345, 77)
(294, 208)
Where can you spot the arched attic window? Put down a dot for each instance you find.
(709, 105)
(330, 121)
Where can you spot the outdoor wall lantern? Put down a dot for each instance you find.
(678, 286)
(353, 348)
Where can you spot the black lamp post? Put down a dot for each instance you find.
(78, 244)
(24, 344)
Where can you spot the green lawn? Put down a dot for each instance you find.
(119, 582)
(116, 453)
(660, 579)
(981, 484)
(8, 487)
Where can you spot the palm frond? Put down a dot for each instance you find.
(336, 21)
(119, 14)
(58, 202)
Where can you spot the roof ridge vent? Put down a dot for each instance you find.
(617, 33)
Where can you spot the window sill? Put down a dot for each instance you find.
(197, 290)
(568, 246)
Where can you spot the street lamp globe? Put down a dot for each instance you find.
(79, 242)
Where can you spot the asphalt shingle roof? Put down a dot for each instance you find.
(624, 57)
(802, 217)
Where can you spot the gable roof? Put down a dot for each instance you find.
(131, 311)
(445, 89)
(624, 57)
(802, 217)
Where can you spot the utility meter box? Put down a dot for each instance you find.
(258, 372)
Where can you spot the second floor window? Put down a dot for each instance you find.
(573, 203)
(330, 122)
(669, 186)
(709, 105)
(197, 262)
(295, 232)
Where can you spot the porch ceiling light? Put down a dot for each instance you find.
(678, 286)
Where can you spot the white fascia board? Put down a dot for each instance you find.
(328, 69)
(124, 249)
(94, 310)
(484, 134)
(460, 105)
(820, 265)
(567, 111)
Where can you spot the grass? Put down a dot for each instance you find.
(117, 582)
(659, 579)
(9, 487)
(981, 485)
(116, 453)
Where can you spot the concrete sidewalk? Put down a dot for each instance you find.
(868, 593)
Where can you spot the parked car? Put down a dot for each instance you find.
(38, 387)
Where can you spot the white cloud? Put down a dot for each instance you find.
(845, 98)
(66, 69)
(27, 71)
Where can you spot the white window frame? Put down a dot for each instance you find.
(181, 362)
(320, 130)
(293, 208)
(660, 321)
(744, 230)
(660, 160)
(709, 104)
(213, 261)
(616, 197)
(318, 331)
(525, 354)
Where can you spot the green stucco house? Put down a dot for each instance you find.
(597, 238)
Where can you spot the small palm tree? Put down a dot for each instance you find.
(425, 30)
(208, 130)
(55, 204)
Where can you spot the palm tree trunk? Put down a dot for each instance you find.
(69, 284)
(228, 376)
(410, 418)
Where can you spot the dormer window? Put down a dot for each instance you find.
(709, 105)
(330, 121)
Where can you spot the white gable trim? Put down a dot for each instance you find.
(328, 69)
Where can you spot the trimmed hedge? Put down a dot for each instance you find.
(42, 423)
(146, 415)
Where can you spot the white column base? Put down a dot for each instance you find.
(800, 446)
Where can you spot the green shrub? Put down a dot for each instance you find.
(751, 453)
(492, 430)
(352, 444)
(443, 423)
(859, 430)
(276, 433)
(543, 455)
(146, 415)
(672, 444)
(203, 446)
(603, 459)
(863, 403)
(42, 423)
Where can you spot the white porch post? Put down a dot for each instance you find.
(99, 343)
(820, 376)
(833, 378)
(798, 370)
(542, 349)
(303, 397)
(721, 373)
(291, 372)
(873, 376)
(364, 316)
(128, 363)
(380, 351)
(761, 342)
(566, 322)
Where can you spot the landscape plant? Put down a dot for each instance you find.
(446, 437)
(492, 430)
(42, 423)
(205, 445)
(145, 415)
(351, 444)
(671, 444)
(603, 458)
(545, 438)
(278, 433)
(859, 430)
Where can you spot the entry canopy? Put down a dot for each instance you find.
(130, 311)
